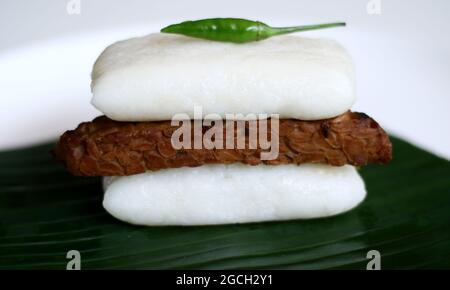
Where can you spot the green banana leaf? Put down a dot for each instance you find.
(45, 212)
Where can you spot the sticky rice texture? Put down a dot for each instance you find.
(159, 75)
(236, 193)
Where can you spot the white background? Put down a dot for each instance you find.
(402, 57)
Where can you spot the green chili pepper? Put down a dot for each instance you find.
(235, 29)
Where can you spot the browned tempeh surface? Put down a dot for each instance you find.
(105, 147)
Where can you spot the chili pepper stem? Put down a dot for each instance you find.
(285, 30)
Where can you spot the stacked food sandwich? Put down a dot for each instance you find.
(299, 89)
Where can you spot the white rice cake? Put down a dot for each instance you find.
(159, 75)
(235, 193)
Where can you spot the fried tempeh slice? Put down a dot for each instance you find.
(105, 147)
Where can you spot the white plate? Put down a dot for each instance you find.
(46, 55)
